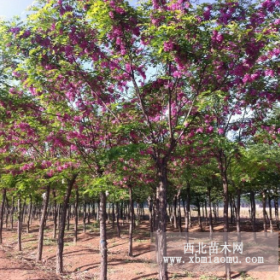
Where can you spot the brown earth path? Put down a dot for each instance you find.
(13, 269)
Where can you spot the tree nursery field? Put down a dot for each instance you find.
(129, 131)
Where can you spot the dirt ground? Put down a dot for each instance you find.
(81, 260)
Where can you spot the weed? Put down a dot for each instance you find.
(189, 274)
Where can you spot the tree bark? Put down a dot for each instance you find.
(54, 214)
(198, 215)
(88, 214)
(270, 213)
(84, 216)
(117, 220)
(253, 213)
(151, 219)
(253, 210)
(19, 227)
(4, 192)
(276, 211)
(188, 208)
(23, 212)
(179, 213)
(210, 213)
(76, 216)
(103, 236)
(42, 225)
(61, 227)
(7, 211)
(12, 213)
(131, 208)
(68, 216)
(98, 207)
(223, 171)
(29, 214)
(225, 198)
(238, 213)
(113, 215)
(175, 211)
(264, 211)
(161, 221)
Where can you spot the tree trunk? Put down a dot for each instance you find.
(155, 211)
(12, 213)
(7, 212)
(276, 211)
(76, 216)
(61, 227)
(215, 212)
(253, 210)
(54, 214)
(121, 213)
(238, 214)
(264, 211)
(223, 171)
(42, 224)
(98, 207)
(93, 211)
(29, 214)
(231, 210)
(4, 192)
(84, 216)
(88, 214)
(188, 208)
(68, 217)
(210, 213)
(138, 218)
(103, 236)
(113, 215)
(270, 214)
(117, 220)
(206, 214)
(175, 211)
(169, 213)
(225, 198)
(23, 212)
(19, 228)
(237, 210)
(199, 216)
(161, 221)
(131, 208)
(179, 213)
(253, 213)
(151, 220)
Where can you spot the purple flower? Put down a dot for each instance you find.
(120, 10)
(254, 76)
(26, 34)
(199, 130)
(15, 30)
(247, 78)
(177, 74)
(111, 14)
(168, 46)
(207, 14)
(269, 73)
(156, 4)
(221, 131)
(210, 129)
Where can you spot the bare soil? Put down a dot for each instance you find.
(81, 260)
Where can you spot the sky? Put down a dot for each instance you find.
(9, 8)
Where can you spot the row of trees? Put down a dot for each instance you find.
(154, 101)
